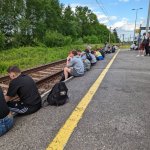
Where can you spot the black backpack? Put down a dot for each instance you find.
(102, 53)
(144, 42)
(88, 56)
(58, 95)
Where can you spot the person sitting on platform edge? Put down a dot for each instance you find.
(75, 66)
(6, 118)
(93, 61)
(25, 87)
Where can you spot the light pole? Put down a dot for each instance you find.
(148, 19)
(135, 21)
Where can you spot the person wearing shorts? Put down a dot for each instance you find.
(23, 86)
(6, 118)
(75, 65)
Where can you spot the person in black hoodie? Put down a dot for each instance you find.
(147, 47)
(23, 86)
(6, 118)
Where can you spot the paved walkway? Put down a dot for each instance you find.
(116, 119)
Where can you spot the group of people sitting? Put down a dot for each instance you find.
(78, 62)
(29, 100)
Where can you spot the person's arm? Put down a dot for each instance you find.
(70, 63)
(8, 98)
(68, 60)
(12, 91)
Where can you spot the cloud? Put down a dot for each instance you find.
(123, 0)
(124, 24)
(105, 19)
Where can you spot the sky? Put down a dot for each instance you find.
(116, 13)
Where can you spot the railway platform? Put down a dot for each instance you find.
(112, 116)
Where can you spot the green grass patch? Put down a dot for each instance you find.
(28, 57)
(126, 46)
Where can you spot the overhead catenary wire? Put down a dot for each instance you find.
(101, 5)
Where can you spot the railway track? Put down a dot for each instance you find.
(45, 76)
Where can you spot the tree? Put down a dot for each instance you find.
(117, 40)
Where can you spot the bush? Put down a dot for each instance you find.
(67, 40)
(2, 41)
(91, 39)
(53, 39)
(78, 41)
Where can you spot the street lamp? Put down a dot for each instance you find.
(137, 9)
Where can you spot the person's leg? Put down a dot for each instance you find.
(6, 124)
(17, 107)
(66, 72)
(146, 50)
(31, 109)
(149, 50)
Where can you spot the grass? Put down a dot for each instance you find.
(126, 46)
(28, 57)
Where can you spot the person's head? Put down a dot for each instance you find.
(148, 34)
(73, 53)
(79, 52)
(144, 34)
(87, 51)
(92, 52)
(13, 72)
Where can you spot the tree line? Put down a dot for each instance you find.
(50, 23)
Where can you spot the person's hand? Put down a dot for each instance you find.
(5, 92)
(68, 58)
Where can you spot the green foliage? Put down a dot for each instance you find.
(2, 41)
(28, 57)
(91, 39)
(29, 22)
(56, 39)
(79, 41)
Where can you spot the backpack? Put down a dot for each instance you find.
(103, 53)
(88, 56)
(144, 42)
(58, 95)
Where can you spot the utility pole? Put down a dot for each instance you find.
(148, 19)
(135, 21)
(123, 38)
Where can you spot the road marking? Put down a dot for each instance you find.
(62, 137)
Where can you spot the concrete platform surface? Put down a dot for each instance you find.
(118, 117)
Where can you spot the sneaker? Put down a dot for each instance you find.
(138, 56)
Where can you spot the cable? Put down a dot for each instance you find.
(100, 4)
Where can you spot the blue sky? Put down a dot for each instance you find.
(119, 13)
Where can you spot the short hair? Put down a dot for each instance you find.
(144, 33)
(92, 52)
(78, 50)
(87, 51)
(14, 69)
(74, 52)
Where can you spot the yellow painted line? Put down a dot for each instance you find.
(62, 137)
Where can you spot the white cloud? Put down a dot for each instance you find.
(105, 19)
(124, 24)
